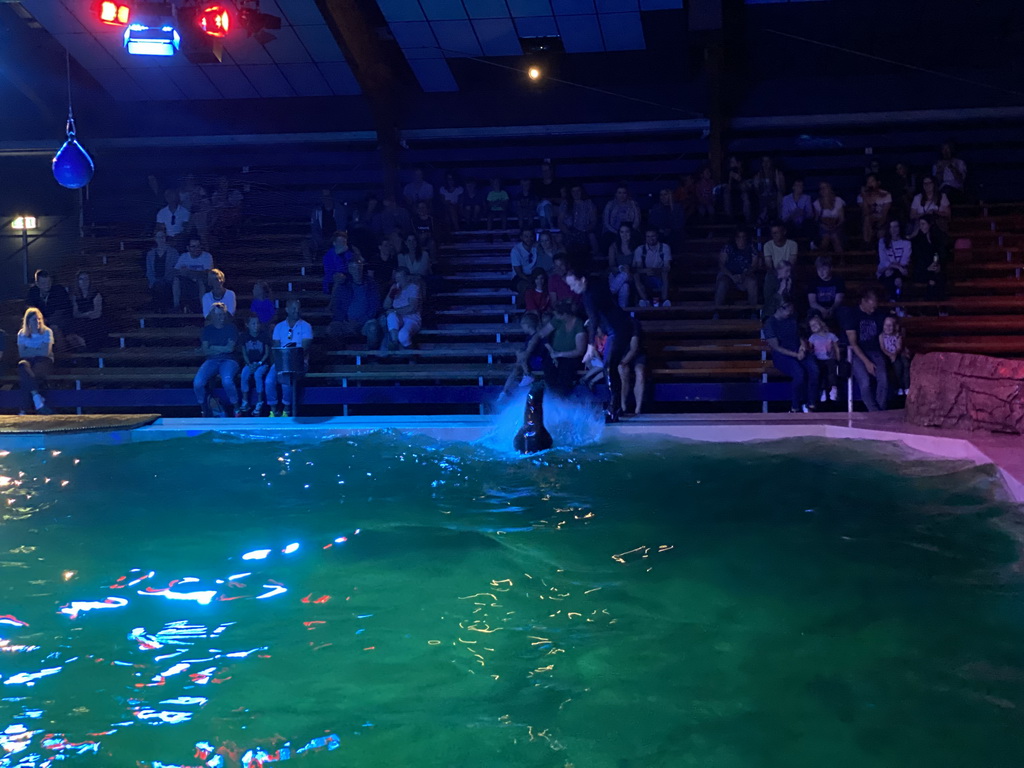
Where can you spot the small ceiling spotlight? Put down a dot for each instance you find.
(534, 73)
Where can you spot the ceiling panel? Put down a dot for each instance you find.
(441, 10)
(193, 83)
(456, 38)
(529, 8)
(305, 79)
(157, 84)
(55, 16)
(580, 34)
(537, 26)
(661, 5)
(487, 9)
(414, 35)
(299, 12)
(288, 48)
(87, 51)
(617, 6)
(434, 75)
(401, 10)
(268, 80)
(320, 42)
(497, 37)
(572, 7)
(339, 77)
(118, 82)
(245, 50)
(622, 31)
(230, 81)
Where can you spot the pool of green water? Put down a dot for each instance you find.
(393, 601)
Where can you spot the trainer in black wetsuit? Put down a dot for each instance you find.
(604, 312)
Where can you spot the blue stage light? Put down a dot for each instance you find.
(142, 40)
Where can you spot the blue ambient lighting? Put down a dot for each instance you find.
(141, 40)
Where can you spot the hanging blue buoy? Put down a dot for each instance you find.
(72, 166)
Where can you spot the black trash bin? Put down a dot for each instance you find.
(290, 361)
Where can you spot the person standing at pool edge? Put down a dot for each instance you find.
(604, 313)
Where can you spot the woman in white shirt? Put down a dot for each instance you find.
(829, 211)
(930, 202)
(35, 348)
(893, 259)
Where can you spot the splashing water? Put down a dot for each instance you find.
(570, 422)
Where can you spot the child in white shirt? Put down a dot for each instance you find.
(826, 355)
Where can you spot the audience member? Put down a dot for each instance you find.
(391, 220)
(219, 293)
(538, 298)
(160, 262)
(524, 261)
(620, 283)
(520, 375)
(798, 212)
(415, 257)
(633, 369)
(768, 184)
(896, 356)
(566, 343)
(336, 259)
(549, 195)
(418, 190)
(262, 304)
(88, 329)
(577, 221)
(451, 195)
(604, 314)
(829, 210)
(293, 331)
(35, 348)
(875, 203)
(930, 202)
(705, 195)
(862, 325)
(423, 222)
(620, 210)
(736, 192)
(190, 279)
(901, 186)
(219, 339)
(525, 204)
(383, 261)
(778, 285)
(473, 202)
(327, 218)
(52, 300)
(777, 251)
(652, 262)
(827, 290)
(545, 251)
(929, 258)
(497, 205)
(557, 285)
(893, 260)
(669, 219)
(173, 216)
(684, 196)
(951, 173)
(622, 250)
(825, 346)
(737, 266)
(255, 365)
(402, 308)
(355, 306)
(789, 356)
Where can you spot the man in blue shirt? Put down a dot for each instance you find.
(355, 305)
(219, 339)
(863, 325)
(790, 356)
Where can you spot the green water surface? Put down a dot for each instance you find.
(637, 604)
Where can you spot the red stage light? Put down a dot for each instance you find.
(215, 20)
(114, 13)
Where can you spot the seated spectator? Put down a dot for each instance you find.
(875, 203)
(190, 279)
(863, 325)
(497, 205)
(778, 285)
(737, 266)
(160, 262)
(768, 185)
(219, 293)
(545, 251)
(633, 370)
(327, 218)
(423, 222)
(415, 258)
(293, 331)
(88, 330)
(620, 210)
(53, 301)
(930, 202)
(226, 211)
(622, 250)
(418, 190)
(525, 204)
(557, 285)
(174, 216)
(391, 220)
(263, 303)
(825, 346)
(789, 356)
(565, 339)
(704, 195)
(383, 262)
(219, 339)
(361, 236)
(524, 261)
(893, 260)
(255, 365)
(402, 307)
(620, 283)
(684, 197)
(736, 192)
(896, 356)
(929, 260)
(35, 348)
(549, 195)
(797, 211)
(520, 375)
(336, 259)
(451, 195)
(577, 221)
(951, 174)
(472, 204)
(829, 211)
(779, 250)
(669, 219)
(901, 186)
(652, 262)
(355, 306)
(827, 290)
(538, 298)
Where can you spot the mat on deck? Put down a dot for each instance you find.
(20, 425)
